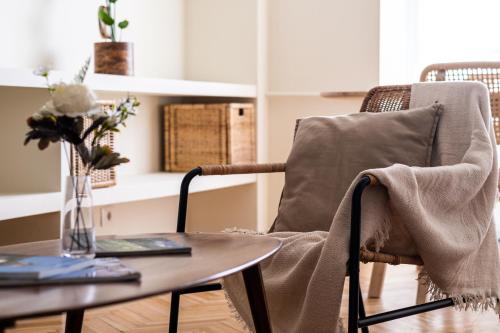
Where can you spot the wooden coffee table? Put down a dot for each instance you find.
(213, 256)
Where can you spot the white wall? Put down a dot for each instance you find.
(61, 33)
(323, 45)
(221, 40)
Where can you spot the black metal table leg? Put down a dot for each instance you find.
(174, 312)
(4, 324)
(257, 299)
(74, 321)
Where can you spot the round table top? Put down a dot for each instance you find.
(213, 256)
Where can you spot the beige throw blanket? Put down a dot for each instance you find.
(442, 213)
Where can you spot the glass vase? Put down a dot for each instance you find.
(78, 239)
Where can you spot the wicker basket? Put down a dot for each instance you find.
(99, 178)
(198, 134)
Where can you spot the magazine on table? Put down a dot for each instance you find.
(39, 267)
(138, 247)
(100, 270)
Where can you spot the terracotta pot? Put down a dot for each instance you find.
(114, 58)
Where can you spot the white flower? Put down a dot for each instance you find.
(45, 111)
(41, 71)
(37, 116)
(48, 109)
(72, 100)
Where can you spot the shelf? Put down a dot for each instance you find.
(19, 205)
(128, 189)
(326, 94)
(340, 94)
(292, 94)
(24, 78)
(163, 184)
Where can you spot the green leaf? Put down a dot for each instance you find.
(80, 77)
(105, 18)
(123, 24)
(113, 1)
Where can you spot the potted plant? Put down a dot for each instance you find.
(112, 56)
(61, 119)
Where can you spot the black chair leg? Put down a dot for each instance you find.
(354, 290)
(174, 312)
(362, 313)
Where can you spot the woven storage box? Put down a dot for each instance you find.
(197, 134)
(98, 178)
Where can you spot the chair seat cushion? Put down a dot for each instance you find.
(329, 152)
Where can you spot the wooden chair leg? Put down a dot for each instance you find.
(377, 280)
(421, 290)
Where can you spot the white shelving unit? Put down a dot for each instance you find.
(129, 189)
(161, 185)
(144, 199)
(24, 78)
(20, 205)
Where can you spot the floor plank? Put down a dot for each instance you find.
(209, 313)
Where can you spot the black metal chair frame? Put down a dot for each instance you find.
(357, 317)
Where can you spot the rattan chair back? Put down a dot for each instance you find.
(486, 72)
(387, 98)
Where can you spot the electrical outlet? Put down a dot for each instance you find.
(104, 216)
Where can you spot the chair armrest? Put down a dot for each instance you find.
(232, 169)
(373, 180)
(355, 242)
(207, 170)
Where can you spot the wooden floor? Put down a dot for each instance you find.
(208, 312)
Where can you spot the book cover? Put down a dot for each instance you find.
(103, 270)
(38, 267)
(139, 246)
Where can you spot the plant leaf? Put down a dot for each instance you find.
(95, 124)
(83, 152)
(43, 143)
(123, 24)
(80, 77)
(105, 18)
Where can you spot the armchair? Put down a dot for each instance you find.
(379, 99)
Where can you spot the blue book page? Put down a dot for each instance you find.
(102, 268)
(15, 266)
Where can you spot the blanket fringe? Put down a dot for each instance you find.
(382, 235)
(475, 302)
(234, 313)
(242, 231)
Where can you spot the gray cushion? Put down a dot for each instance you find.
(329, 152)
